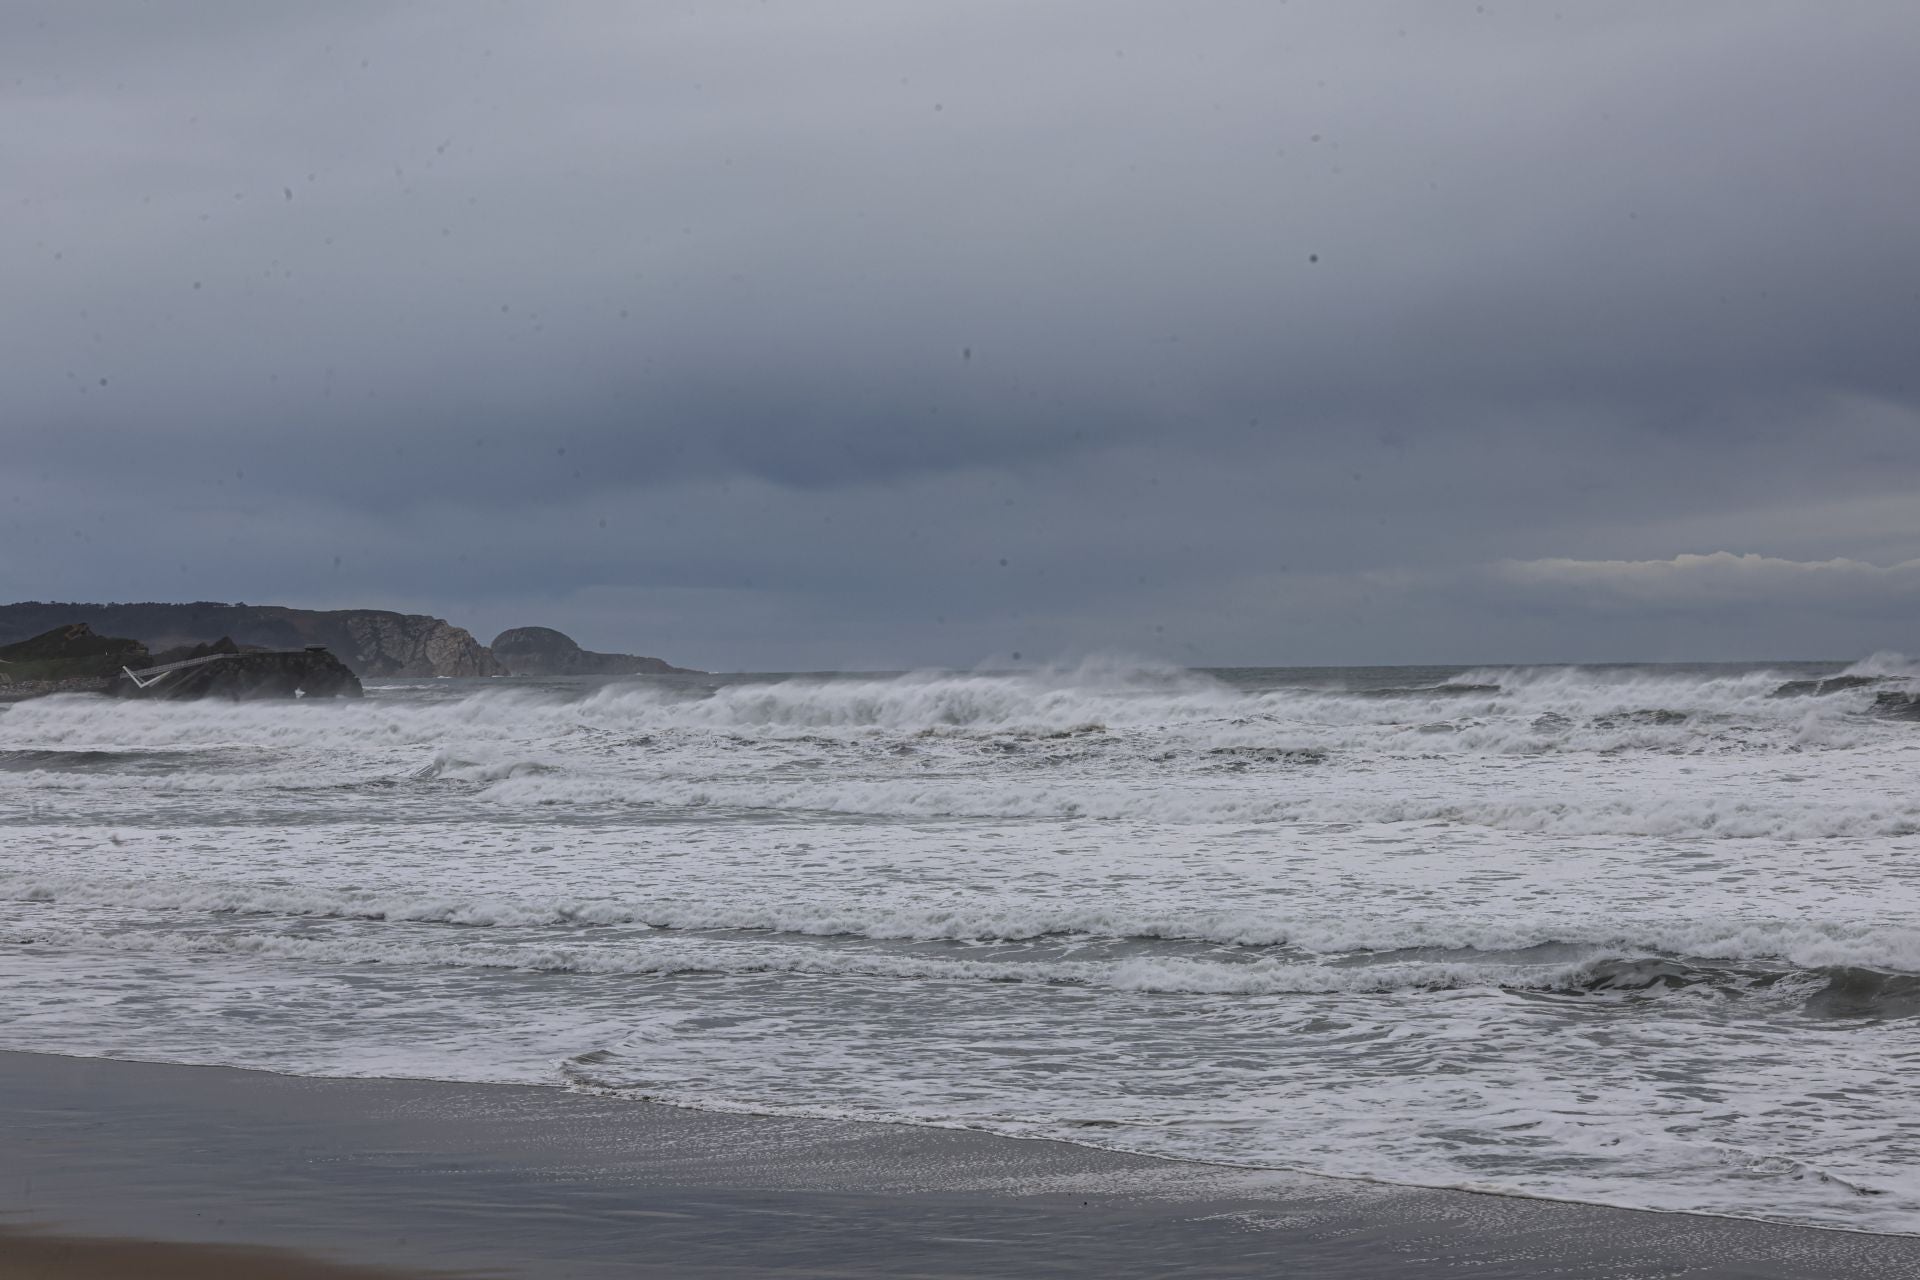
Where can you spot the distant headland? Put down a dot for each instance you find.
(371, 643)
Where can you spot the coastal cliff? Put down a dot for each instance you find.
(370, 642)
(542, 651)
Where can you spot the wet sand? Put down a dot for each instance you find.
(25, 1256)
(509, 1181)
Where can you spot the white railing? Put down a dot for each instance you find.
(153, 674)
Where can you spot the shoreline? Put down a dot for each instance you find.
(1220, 1168)
(525, 1180)
(31, 1255)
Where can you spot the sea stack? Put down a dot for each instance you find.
(243, 677)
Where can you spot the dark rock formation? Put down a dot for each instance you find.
(1820, 688)
(371, 642)
(67, 659)
(542, 651)
(69, 651)
(187, 653)
(296, 673)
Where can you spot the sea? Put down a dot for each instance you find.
(1645, 936)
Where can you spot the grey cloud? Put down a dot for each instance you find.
(1209, 323)
(1693, 582)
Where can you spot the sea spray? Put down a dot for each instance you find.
(1634, 935)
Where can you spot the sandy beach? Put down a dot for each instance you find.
(479, 1179)
(34, 1256)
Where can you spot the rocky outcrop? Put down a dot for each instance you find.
(67, 659)
(244, 677)
(370, 642)
(542, 651)
(187, 653)
(71, 650)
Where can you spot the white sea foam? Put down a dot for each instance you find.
(1088, 698)
(669, 957)
(1635, 936)
(518, 785)
(1893, 948)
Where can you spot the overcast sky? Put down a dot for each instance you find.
(864, 335)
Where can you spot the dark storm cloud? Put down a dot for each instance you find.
(1248, 333)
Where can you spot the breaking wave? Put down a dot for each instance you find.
(1838, 991)
(1824, 945)
(1092, 697)
(1633, 935)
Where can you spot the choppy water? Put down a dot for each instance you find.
(1641, 936)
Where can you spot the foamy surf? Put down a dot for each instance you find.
(1637, 936)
